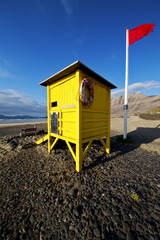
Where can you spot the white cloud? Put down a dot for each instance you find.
(67, 6)
(13, 102)
(137, 87)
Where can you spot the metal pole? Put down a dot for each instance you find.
(125, 107)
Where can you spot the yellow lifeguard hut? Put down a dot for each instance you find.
(78, 109)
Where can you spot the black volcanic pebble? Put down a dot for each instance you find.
(116, 196)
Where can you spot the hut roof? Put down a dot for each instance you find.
(72, 68)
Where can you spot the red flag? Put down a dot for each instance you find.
(139, 32)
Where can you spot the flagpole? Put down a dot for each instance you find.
(125, 107)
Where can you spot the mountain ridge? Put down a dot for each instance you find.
(137, 103)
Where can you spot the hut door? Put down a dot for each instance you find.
(54, 122)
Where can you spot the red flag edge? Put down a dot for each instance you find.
(139, 32)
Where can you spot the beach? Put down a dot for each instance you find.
(144, 133)
(116, 196)
(14, 128)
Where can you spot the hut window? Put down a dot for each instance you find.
(54, 122)
(54, 104)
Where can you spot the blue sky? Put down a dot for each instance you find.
(40, 37)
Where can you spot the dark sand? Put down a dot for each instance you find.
(116, 196)
(14, 128)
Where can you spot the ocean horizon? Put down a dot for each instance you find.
(3, 121)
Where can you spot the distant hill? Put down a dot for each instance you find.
(137, 103)
(3, 117)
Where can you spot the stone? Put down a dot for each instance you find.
(115, 219)
(74, 193)
(90, 234)
(130, 236)
(157, 207)
(33, 181)
(126, 218)
(126, 227)
(96, 232)
(138, 228)
(77, 211)
(121, 235)
(65, 226)
(72, 234)
(80, 226)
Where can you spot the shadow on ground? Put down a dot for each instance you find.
(121, 147)
(145, 135)
(118, 145)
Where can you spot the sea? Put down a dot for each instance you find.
(15, 121)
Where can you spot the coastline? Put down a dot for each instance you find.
(143, 133)
(110, 195)
(21, 122)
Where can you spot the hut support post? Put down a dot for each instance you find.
(79, 124)
(79, 157)
(109, 114)
(49, 119)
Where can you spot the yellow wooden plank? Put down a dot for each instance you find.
(94, 129)
(78, 124)
(53, 144)
(68, 110)
(64, 138)
(94, 120)
(49, 118)
(108, 135)
(43, 139)
(86, 149)
(68, 120)
(88, 139)
(71, 150)
(103, 143)
(94, 111)
(62, 81)
(60, 122)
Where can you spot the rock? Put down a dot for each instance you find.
(43, 197)
(77, 211)
(126, 227)
(157, 207)
(71, 234)
(80, 226)
(73, 193)
(130, 236)
(90, 233)
(115, 219)
(65, 226)
(28, 145)
(121, 235)
(138, 228)
(32, 219)
(126, 218)
(96, 232)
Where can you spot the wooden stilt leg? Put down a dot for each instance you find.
(108, 144)
(79, 157)
(49, 144)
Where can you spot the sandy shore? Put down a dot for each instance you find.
(15, 128)
(116, 196)
(144, 133)
(20, 123)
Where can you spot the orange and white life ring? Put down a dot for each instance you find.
(86, 83)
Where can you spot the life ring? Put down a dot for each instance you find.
(86, 83)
